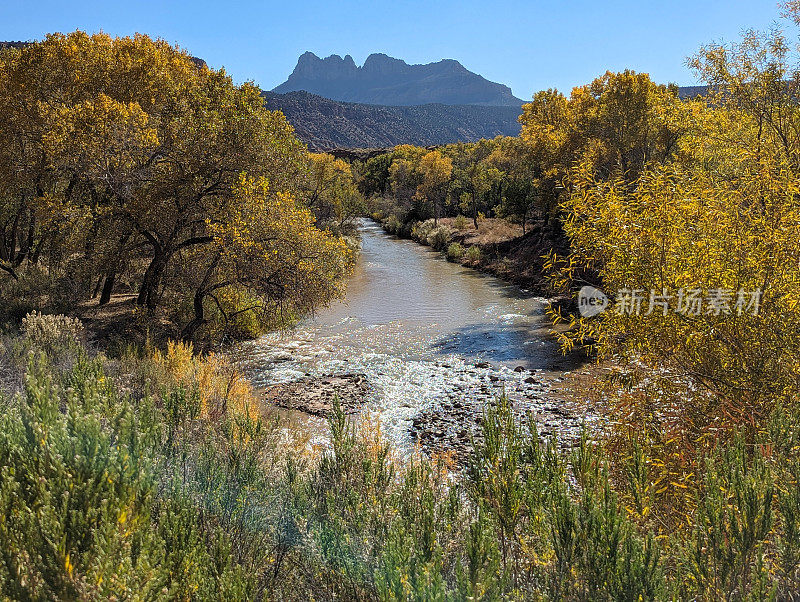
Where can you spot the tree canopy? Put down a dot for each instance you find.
(141, 152)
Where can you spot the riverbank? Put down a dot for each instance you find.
(142, 454)
(496, 246)
(455, 339)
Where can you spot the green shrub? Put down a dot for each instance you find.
(460, 223)
(79, 499)
(393, 225)
(733, 518)
(473, 255)
(439, 237)
(75, 503)
(420, 231)
(163, 493)
(85, 516)
(455, 252)
(47, 332)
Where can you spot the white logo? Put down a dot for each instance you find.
(591, 301)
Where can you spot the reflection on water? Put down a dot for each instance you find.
(416, 325)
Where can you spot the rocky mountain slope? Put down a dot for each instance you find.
(384, 80)
(326, 124)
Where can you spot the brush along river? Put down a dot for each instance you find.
(420, 343)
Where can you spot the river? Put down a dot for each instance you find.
(434, 339)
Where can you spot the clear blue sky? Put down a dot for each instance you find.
(529, 45)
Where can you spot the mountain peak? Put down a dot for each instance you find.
(331, 68)
(377, 61)
(308, 56)
(387, 80)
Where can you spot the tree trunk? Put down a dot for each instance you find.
(199, 297)
(12, 238)
(199, 317)
(97, 286)
(37, 250)
(148, 292)
(108, 288)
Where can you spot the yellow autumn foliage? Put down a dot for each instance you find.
(699, 250)
(222, 389)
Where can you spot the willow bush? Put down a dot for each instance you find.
(696, 249)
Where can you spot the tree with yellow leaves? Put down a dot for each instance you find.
(269, 251)
(710, 243)
(331, 192)
(140, 151)
(615, 124)
(435, 170)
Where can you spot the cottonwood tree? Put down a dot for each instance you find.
(330, 191)
(374, 178)
(268, 251)
(139, 149)
(435, 170)
(523, 186)
(616, 124)
(403, 181)
(104, 147)
(471, 176)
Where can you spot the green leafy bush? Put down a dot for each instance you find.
(473, 255)
(439, 237)
(455, 252)
(420, 231)
(79, 497)
(393, 225)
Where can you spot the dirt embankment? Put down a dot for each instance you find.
(505, 251)
(511, 255)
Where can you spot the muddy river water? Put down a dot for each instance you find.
(435, 341)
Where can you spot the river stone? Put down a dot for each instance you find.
(315, 395)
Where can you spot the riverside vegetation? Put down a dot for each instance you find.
(147, 471)
(153, 476)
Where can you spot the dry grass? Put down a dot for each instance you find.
(490, 231)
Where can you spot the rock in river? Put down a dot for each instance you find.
(315, 395)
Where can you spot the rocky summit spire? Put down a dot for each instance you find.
(386, 80)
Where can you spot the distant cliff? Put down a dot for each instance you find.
(384, 80)
(326, 124)
(4, 45)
